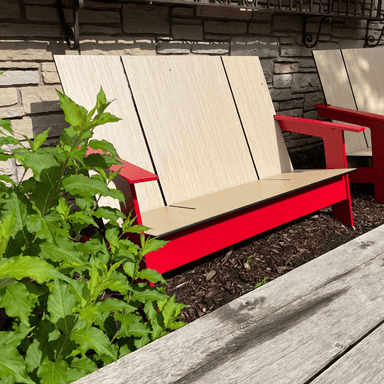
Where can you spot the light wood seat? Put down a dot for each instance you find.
(211, 136)
(352, 79)
(186, 214)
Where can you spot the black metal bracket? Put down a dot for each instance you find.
(308, 37)
(71, 33)
(370, 40)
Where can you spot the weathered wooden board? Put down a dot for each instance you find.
(191, 124)
(362, 364)
(81, 77)
(337, 91)
(254, 103)
(283, 332)
(164, 220)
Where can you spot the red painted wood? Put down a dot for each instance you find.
(376, 124)
(130, 172)
(202, 240)
(331, 133)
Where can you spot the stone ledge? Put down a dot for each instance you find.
(173, 47)
(211, 48)
(15, 78)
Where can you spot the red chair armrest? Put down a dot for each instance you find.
(371, 120)
(130, 172)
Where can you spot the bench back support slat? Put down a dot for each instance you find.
(365, 71)
(191, 124)
(254, 103)
(81, 78)
(337, 91)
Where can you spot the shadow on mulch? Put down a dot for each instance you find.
(219, 278)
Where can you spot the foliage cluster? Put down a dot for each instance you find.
(68, 308)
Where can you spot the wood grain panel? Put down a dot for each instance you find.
(81, 77)
(256, 111)
(182, 215)
(365, 71)
(191, 124)
(337, 91)
(283, 332)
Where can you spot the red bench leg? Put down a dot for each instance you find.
(343, 210)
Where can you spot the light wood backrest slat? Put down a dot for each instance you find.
(254, 103)
(365, 71)
(81, 78)
(338, 92)
(191, 124)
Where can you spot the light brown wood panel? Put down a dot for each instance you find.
(365, 71)
(166, 220)
(283, 332)
(363, 364)
(337, 91)
(191, 124)
(81, 78)
(256, 111)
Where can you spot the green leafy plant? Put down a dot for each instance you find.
(68, 308)
(262, 282)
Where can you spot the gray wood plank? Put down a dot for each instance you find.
(282, 332)
(362, 364)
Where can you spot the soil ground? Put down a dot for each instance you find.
(217, 279)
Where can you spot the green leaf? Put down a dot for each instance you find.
(101, 101)
(93, 338)
(151, 275)
(14, 338)
(4, 282)
(40, 139)
(53, 372)
(7, 179)
(7, 226)
(131, 325)
(84, 363)
(143, 293)
(37, 161)
(152, 244)
(35, 268)
(13, 365)
(97, 160)
(63, 251)
(74, 114)
(84, 186)
(22, 207)
(60, 303)
(16, 302)
(6, 124)
(33, 356)
(105, 146)
(103, 119)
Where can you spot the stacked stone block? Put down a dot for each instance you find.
(30, 34)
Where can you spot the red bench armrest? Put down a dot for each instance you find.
(313, 127)
(371, 120)
(130, 172)
(331, 133)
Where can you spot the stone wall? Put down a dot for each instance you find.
(30, 35)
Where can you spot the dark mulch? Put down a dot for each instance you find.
(217, 279)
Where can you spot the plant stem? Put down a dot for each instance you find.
(66, 338)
